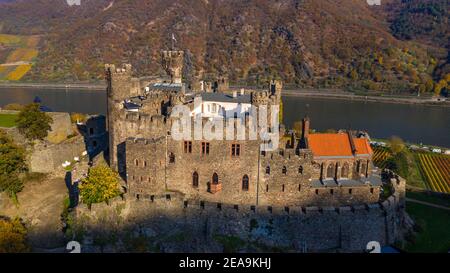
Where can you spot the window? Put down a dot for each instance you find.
(136, 162)
(300, 170)
(284, 170)
(330, 171)
(371, 190)
(331, 191)
(205, 148)
(188, 147)
(144, 163)
(317, 191)
(94, 143)
(282, 188)
(299, 187)
(245, 183)
(91, 131)
(171, 158)
(215, 179)
(235, 149)
(267, 188)
(344, 170)
(214, 108)
(268, 170)
(195, 180)
(350, 191)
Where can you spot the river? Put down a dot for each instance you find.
(414, 123)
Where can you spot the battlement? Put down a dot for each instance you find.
(126, 69)
(144, 141)
(177, 201)
(139, 117)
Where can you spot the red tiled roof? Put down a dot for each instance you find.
(337, 145)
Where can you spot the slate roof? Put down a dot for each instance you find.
(221, 97)
(371, 180)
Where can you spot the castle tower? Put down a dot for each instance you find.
(172, 62)
(275, 88)
(221, 85)
(119, 86)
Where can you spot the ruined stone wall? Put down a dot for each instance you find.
(45, 158)
(347, 228)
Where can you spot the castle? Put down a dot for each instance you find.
(311, 169)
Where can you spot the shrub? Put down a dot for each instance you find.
(33, 123)
(101, 184)
(12, 236)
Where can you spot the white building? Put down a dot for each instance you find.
(213, 105)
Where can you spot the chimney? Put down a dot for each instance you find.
(234, 94)
(305, 128)
(352, 143)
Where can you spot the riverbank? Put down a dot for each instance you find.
(65, 86)
(310, 93)
(344, 95)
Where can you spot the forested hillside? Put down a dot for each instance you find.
(400, 45)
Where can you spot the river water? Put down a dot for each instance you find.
(429, 125)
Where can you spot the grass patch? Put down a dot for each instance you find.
(422, 196)
(8, 120)
(231, 244)
(433, 234)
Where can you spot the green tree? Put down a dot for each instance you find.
(12, 163)
(33, 123)
(13, 236)
(100, 185)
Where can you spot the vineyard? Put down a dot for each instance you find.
(380, 156)
(17, 54)
(436, 171)
(434, 168)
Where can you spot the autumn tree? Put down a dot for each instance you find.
(33, 123)
(101, 184)
(13, 236)
(396, 144)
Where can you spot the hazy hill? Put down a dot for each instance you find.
(305, 42)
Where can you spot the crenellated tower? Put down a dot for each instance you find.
(119, 86)
(172, 62)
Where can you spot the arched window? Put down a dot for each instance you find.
(282, 188)
(145, 163)
(363, 168)
(330, 171)
(344, 170)
(171, 158)
(245, 183)
(215, 179)
(268, 170)
(300, 170)
(284, 170)
(136, 162)
(195, 179)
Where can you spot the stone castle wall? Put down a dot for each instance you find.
(346, 228)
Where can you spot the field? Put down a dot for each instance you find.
(380, 156)
(436, 171)
(433, 170)
(7, 120)
(433, 234)
(17, 55)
